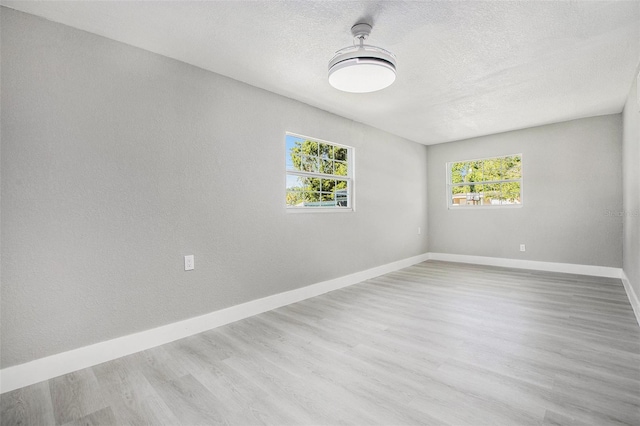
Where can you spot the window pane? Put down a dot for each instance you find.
(492, 169)
(309, 164)
(513, 167)
(340, 168)
(292, 152)
(458, 171)
(312, 184)
(295, 190)
(311, 199)
(310, 148)
(473, 195)
(474, 173)
(492, 194)
(461, 189)
(328, 197)
(341, 184)
(511, 193)
(295, 198)
(326, 151)
(294, 183)
(459, 195)
(292, 159)
(341, 194)
(326, 166)
(340, 153)
(328, 185)
(474, 187)
(465, 171)
(486, 193)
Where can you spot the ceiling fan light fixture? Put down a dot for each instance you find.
(362, 68)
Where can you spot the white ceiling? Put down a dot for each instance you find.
(465, 69)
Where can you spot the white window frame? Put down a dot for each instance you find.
(450, 185)
(349, 178)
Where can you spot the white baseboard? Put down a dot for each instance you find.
(66, 362)
(569, 268)
(633, 297)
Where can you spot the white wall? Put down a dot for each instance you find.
(116, 162)
(631, 188)
(571, 179)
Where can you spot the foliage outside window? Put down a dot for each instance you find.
(485, 182)
(319, 174)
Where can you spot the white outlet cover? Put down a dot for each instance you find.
(189, 262)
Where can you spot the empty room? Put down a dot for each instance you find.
(320, 212)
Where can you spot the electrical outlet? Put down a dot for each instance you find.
(419, 231)
(189, 263)
(522, 248)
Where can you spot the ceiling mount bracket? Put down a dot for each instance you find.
(361, 31)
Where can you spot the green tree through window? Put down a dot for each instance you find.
(489, 181)
(318, 173)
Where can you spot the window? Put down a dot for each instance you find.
(485, 182)
(319, 174)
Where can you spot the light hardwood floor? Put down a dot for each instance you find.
(436, 343)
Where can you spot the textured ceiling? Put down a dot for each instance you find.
(465, 69)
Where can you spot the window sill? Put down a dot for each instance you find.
(318, 210)
(507, 206)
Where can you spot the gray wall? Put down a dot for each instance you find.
(117, 162)
(631, 188)
(571, 177)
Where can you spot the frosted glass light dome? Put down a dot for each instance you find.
(361, 73)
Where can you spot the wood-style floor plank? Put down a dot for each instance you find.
(129, 393)
(75, 395)
(437, 343)
(30, 405)
(101, 417)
